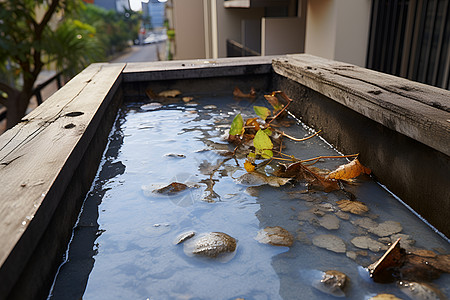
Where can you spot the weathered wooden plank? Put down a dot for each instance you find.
(201, 68)
(413, 109)
(38, 158)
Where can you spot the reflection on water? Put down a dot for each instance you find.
(122, 246)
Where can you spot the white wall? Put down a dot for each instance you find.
(189, 25)
(229, 23)
(338, 29)
(282, 36)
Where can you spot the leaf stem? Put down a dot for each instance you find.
(296, 139)
(337, 156)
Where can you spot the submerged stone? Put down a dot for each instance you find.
(329, 242)
(331, 282)
(211, 244)
(386, 228)
(330, 222)
(421, 291)
(276, 236)
(365, 242)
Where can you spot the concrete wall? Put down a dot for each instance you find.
(278, 36)
(338, 29)
(229, 24)
(188, 18)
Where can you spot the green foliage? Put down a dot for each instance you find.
(114, 30)
(237, 126)
(262, 112)
(263, 145)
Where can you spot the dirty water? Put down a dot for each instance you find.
(123, 244)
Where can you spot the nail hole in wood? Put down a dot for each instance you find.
(68, 126)
(74, 114)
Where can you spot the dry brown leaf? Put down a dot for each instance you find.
(187, 99)
(173, 188)
(239, 94)
(351, 170)
(249, 167)
(391, 258)
(256, 179)
(384, 297)
(252, 123)
(355, 207)
(169, 93)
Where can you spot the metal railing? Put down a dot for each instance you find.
(409, 38)
(37, 91)
(235, 49)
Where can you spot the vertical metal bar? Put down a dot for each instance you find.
(438, 63)
(58, 79)
(373, 32)
(378, 33)
(409, 33)
(417, 41)
(38, 96)
(391, 36)
(400, 39)
(427, 53)
(385, 31)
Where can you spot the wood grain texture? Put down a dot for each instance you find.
(38, 157)
(416, 110)
(200, 68)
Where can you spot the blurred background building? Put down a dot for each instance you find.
(407, 38)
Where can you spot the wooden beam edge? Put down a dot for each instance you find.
(13, 256)
(412, 119)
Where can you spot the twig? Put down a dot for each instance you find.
(320, 157)
(296, 139)
(284, 108)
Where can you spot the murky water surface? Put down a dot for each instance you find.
(122, 247)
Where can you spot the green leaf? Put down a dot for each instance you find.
(263, 144)
(268, 131)
(262, 112)
(237, 126)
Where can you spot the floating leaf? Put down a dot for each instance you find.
(276, 236)
(384, 297)
(249, 167)
(268, 131)
(273, 100)
(252, 123)
(256, 179)
(380, 270)
(355, 207)
(169, 93)
(239, 94)
(351, 170)
(237, 126)
(263, 144)
(187, 99)
(173, 188)
(262, 111)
